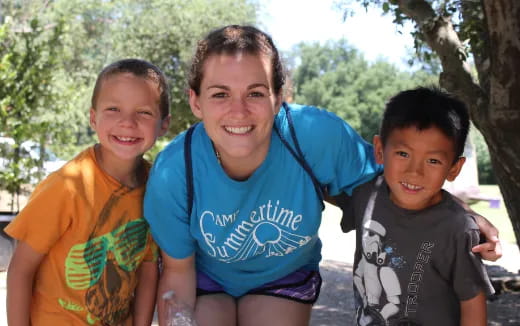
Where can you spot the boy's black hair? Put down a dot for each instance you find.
(424, 108)
(139, 68)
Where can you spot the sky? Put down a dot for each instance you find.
(292, 21)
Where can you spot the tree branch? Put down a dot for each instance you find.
(440, 35)
(475, 27)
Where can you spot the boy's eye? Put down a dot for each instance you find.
(434, 161)
(402, 154)
(145, 112)
(112, 109)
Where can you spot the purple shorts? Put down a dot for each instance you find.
(301, 286)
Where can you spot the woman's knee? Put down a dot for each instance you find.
(259, 310)
(216, 310)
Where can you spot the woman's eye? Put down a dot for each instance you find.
(219, 95)
(256, 94)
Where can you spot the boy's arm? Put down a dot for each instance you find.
(145, 293)
(491, 249)
(178, 275)
(473, 312)
(20, 279)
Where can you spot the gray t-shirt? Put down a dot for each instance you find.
(411, 266)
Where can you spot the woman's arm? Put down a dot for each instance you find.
(491, 249)
(145, 293)
(178, 275)
(473, 312)
(20, 279)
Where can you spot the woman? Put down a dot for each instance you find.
(235, 203)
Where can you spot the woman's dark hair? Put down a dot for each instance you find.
(230, 40)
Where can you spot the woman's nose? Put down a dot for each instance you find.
(238, 106)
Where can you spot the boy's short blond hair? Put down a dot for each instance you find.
(139, 68)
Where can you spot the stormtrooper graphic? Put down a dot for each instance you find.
(375, 281)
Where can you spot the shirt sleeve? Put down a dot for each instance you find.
(46, 216)
(165, 206)
(152, 253)
(355, 162)
(340, 158)
(348, 218)
(469, 273)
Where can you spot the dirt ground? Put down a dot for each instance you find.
(336, 301)
(335, 305)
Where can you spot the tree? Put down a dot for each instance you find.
(335, 76)
(27, 62)
(488, 32)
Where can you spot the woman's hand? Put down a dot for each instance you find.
(491, 249)
(178, 275)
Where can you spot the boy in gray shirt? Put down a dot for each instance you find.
(413, 262)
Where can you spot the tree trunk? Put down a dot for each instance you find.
(494, 109)
(501, 129)
(504, 148)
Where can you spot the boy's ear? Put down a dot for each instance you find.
(194, 104)
(455, 169)
(92, 119)
(378, 149)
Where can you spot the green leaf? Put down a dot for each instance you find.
(386, 7)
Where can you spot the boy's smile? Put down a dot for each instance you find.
(417, 162)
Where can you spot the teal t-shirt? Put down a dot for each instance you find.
(248, 233)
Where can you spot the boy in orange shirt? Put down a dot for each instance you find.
(85, 255)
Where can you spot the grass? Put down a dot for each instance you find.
(497, 216)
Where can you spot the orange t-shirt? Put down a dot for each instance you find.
(92, 231)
